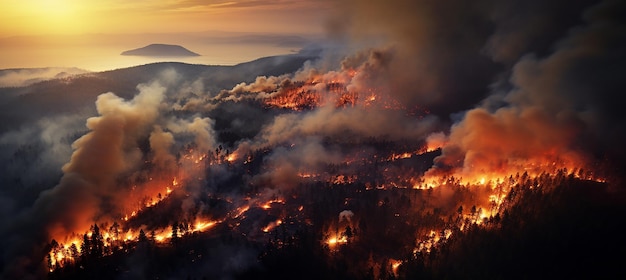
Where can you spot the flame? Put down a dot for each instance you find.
(203, 225)
(267, 205)
(395, 264)
(336, 240)
(318, 90)
(272, 225)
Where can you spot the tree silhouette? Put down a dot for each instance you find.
(143, 238)
(97, 242)
(348, 232)
(175, 236)
(85, 247)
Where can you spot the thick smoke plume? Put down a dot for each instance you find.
(95, 183)
(434, 55)
(88, 189)
(561, 109)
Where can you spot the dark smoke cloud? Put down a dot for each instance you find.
(434, 58)
(563, 103)
(522, 27)
(445, 55)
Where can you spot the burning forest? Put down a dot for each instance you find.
(385, 160)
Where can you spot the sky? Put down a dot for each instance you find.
(91, 34)
(56, 17)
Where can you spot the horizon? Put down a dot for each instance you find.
(69, 33)
(104, 53)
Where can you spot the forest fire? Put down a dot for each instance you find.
(402, 146)
(364, 165)
(426, 173)
(272, 225)
(333, 242)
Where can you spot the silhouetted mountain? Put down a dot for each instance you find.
(161, 50)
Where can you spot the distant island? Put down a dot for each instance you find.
(161, 50)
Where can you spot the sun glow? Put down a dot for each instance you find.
(56, 7)
(49, 16)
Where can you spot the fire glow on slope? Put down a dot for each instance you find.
(330, 131)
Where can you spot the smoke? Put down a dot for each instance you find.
(38, 151)
(434, 58)
(93, 187)
(305, 155)
(561, 107)
(508, 139)
(161, 143)
(522, 27)
(346, 215)
(347, 123)
(25, 77)
(88, 187)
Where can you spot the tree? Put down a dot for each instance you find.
(152, 236)
(97, 242)
(74, 252)
(115, 235)
(85, 248)
(49, 257)
(52, 249)
(348, 233)
(142, 236)
(175, 235)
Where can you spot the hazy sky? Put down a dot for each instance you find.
(92, 34)
(48, 17)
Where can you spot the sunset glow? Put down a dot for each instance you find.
(45, 17)
(92, 34)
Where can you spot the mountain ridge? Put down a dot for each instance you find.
(44, 97)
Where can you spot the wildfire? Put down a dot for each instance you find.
(388, 168)
(203, 225)
(334, 88)
(402, 155)
(231, 157)
(336, 240)
(240, 211)
(267, 205)
(272, 225)
(113, 235)
(395, 264)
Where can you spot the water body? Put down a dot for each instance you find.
(102, 55)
